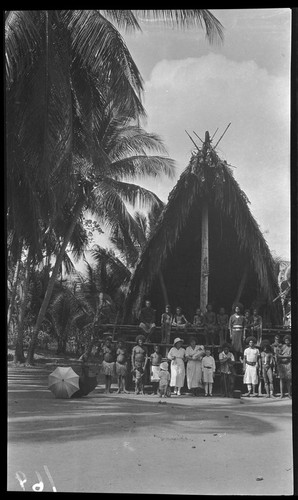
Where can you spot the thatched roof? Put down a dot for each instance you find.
(235, 241)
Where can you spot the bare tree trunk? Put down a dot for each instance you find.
(204, 258)
(61, 349)
(19, 350)
(49, 291)
(89, 340)
(14, 286)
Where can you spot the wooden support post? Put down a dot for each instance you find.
(241, 284)
(163, 288)
(204, 259)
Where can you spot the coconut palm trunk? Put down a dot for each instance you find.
(62, 341)
(14, 286)
(204, 257)
(49, 291)
(19, 349)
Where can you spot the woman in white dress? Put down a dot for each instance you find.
(177, 355)
(193, 355)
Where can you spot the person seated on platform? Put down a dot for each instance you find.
(179, 320)
(155, 360)
(121, 366)
(227, 370)
(193, 355)
(139, 355)
(147, 320)
(208, 368)
(236, 327)
(247, 324)
(266, 369)
(284, 366)
(250, 367)
(210, 325)
(166, 322)
(256, 326)
(108, 363)
(223, 325)
(198, 319)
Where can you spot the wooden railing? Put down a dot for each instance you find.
(129, 332)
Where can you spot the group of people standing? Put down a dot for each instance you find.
(218, 328)
(260, 365)
(195, 366)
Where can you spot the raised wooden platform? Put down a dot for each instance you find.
(129, 332)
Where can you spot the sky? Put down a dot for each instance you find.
(192, 85)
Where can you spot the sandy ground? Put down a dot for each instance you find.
(133, 444)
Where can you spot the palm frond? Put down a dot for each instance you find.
(143, 223)
(97, 45)
(116, 267)
(142, 166)
(79, 240)
(129, 140)
(182, 18)
(114, 192)
(124, 19)
(22, 38)
(69, 266)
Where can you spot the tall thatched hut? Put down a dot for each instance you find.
(177, 267)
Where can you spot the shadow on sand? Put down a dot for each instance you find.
(36, 416)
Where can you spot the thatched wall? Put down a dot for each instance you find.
(235, 241)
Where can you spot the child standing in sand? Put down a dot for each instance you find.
(138, 374)
(164, 379)
(208, 367)
(155, 360)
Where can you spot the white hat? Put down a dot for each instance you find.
(164, 366)
(177, 339)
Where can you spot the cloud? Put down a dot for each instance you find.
(206, 93)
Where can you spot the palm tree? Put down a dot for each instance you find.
(54, 84)
(131, 244)
(68, 72)
(109, 276)
(62, 312)
(57, 62)
(102, 189)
